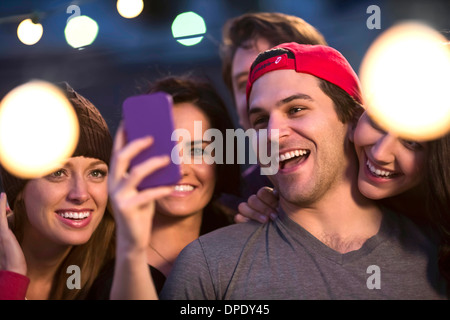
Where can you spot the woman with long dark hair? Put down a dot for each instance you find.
(154, 225)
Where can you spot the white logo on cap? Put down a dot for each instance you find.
(278, 60)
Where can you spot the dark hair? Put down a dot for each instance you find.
(276, 28)
(202, 94)
(347, 108)
(438, 197)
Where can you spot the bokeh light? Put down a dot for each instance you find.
(81, 31)
(28, 32)
(130, 8)
(188, 28)
(38, 129)
(405, 78)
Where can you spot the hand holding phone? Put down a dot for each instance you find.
(151, 115)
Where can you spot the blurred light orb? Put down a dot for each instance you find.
(38, 129)
(190, 27)
(28, 32)
(130, 8)
(81, 31)
(405, 79)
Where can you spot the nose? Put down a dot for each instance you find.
(383, 150)
(186, 160)
(79, 190)
(277, 127)
(183, 169)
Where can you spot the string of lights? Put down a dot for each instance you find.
(188, 28)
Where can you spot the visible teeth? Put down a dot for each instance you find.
(291, 154)
(183, 187)
(378, 172)
(75, 215)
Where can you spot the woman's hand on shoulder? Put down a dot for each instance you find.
(260, 207)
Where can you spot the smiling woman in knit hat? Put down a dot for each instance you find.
(59, 220)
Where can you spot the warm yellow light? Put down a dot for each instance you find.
(405, 78)
(28, 32)
(38, 129)
(130, 8)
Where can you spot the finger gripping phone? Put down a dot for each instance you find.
(151, 115)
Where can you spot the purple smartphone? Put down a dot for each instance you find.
(151, 115)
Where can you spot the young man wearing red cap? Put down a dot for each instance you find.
(243, 38)
(329, 242)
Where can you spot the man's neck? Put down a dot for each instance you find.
(342, 219)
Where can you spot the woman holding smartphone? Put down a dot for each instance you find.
(154, 225)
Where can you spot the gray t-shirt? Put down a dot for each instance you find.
(281, 260)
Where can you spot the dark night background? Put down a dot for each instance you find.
(127, 52)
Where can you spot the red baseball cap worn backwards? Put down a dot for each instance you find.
(321, 61)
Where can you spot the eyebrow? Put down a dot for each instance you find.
(91, 165)
(298, 96)
(240, 74)
(96, 163)
(196, 142)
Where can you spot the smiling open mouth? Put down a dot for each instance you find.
(183, 187)
(380, 173)
(292, 158)
(74, 215)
